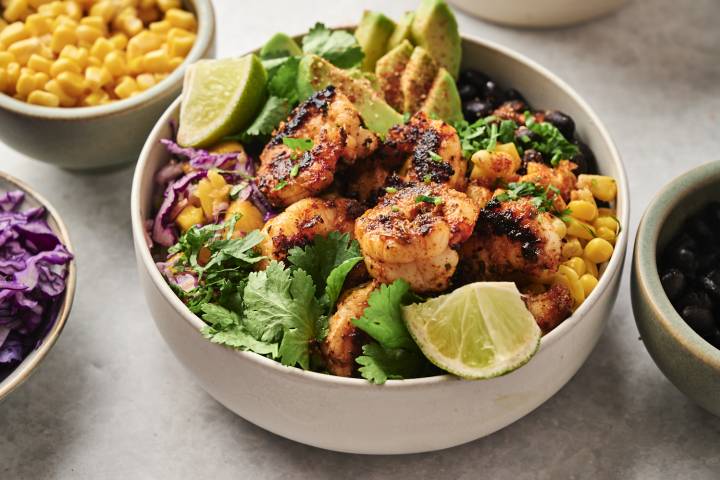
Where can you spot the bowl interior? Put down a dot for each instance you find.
(541, 88)
(663, 219)
(28, 365)
(205, 15)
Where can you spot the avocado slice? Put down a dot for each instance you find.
(280, 45)
(372, 34)
(417, 79)
(316, 73)
(389, 70)
(443, 99)
(402, 31)
(435, 29)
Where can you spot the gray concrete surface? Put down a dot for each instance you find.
(111, 402)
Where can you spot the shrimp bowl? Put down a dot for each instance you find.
(397, 218)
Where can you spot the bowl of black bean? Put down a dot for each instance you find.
(676, 283)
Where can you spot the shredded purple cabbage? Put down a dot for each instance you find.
(33, 272)
(235, 167)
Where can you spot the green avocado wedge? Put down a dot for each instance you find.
(372, 34)
(280, 45)
(435, 29)
(417, 79)
(443, 100)
(316, 73)
(388, 71)
(402, 31)
(220, 97)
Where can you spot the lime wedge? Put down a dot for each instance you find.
(220, 97)
(481, 330)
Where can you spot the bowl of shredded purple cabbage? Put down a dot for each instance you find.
(37, 281)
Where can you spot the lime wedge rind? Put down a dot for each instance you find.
(491, 314)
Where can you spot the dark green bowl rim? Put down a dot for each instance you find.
(647, 277)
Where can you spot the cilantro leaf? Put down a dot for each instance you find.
(237, 248)
(335, 282)
(428, 199)
(484, 134)
(379, 364)
(552, 144)
(301, 144)
(540, 197)
(323, 255)
(382, 319)
(225, 328)
(275, 110)
(339, 47)
(283, 83)
(280, 305)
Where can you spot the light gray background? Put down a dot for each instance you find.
(111, 402)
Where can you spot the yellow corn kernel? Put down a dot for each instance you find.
(571, 280)
(115, 63)
(606, 234)
(126, 88)
(51, 9)
(145, 81)
(105, 9)
(38, 25)
(580, 229)
(45, 99)
(23, 49)
(3, 23)
(608, 222)
(181, 19)
(582, 194)
(606, 212)
(72, 83)
(180, 46)
(78, 55)
(98, 97)
(13, 33)
(249, 219)
(166, 5)
(602, 187)
(24, 85)
(101, 48)
(36, 3)
(65, 100)
(591, 268)
(97, 77)
(4, 81)
(159, 77)
(229, 146)
(212, 191)
(64, 20)
(162, 26)
(156, 61)
(572, 248)
(135, 66)
(63, 35)
(95, 22)
(175, 32)
(146, 4)
(588, 283)
(16, 10)
(583, 210)
(598, 250)
(73, 10)
(143, 43)
(64, 65)
(147, 15)
(6, 58)
(87, 35)
(577, 264)
(120, 40)
(189, 217)
(13, 73)
(129, 24)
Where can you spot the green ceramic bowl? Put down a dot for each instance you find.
(686, 359)
(94, 138)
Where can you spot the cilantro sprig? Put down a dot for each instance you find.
(540, 197)
(551, 142)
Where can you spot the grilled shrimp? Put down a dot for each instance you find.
(344, 341)
(560, 177)
(510, 238)
(333, 124)
(365, 181)
(303, 220)
(411, 234)
(428, 150)
(550, 308)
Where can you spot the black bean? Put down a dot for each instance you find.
(711, 213)
(684, 259)
(711, 284)
(475, 109)
(700, 319)
(492, 93)
(474, 77)
(468, 91)
(585, 159)
(673, 282)
(713, 338)
(685, 241)
(699, 229)
(562, 122)
(512, 94)
(524, 135)
(696, 299)
(531, 155)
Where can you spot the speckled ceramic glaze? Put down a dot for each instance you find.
(686, 359)
(31, 362)
(93, 138)
(401, 416)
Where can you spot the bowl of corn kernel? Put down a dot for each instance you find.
(83, 81)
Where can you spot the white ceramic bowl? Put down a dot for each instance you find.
(538, 14)
(94, 138)
(402, 416)
(23, 371)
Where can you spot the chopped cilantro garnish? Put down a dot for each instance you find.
(428, 199)
(435, 157)
(337, 46)
(540, 197)
(295, 170)
(299, 144)
(391, 189)
(427, 178)
(280, 185)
